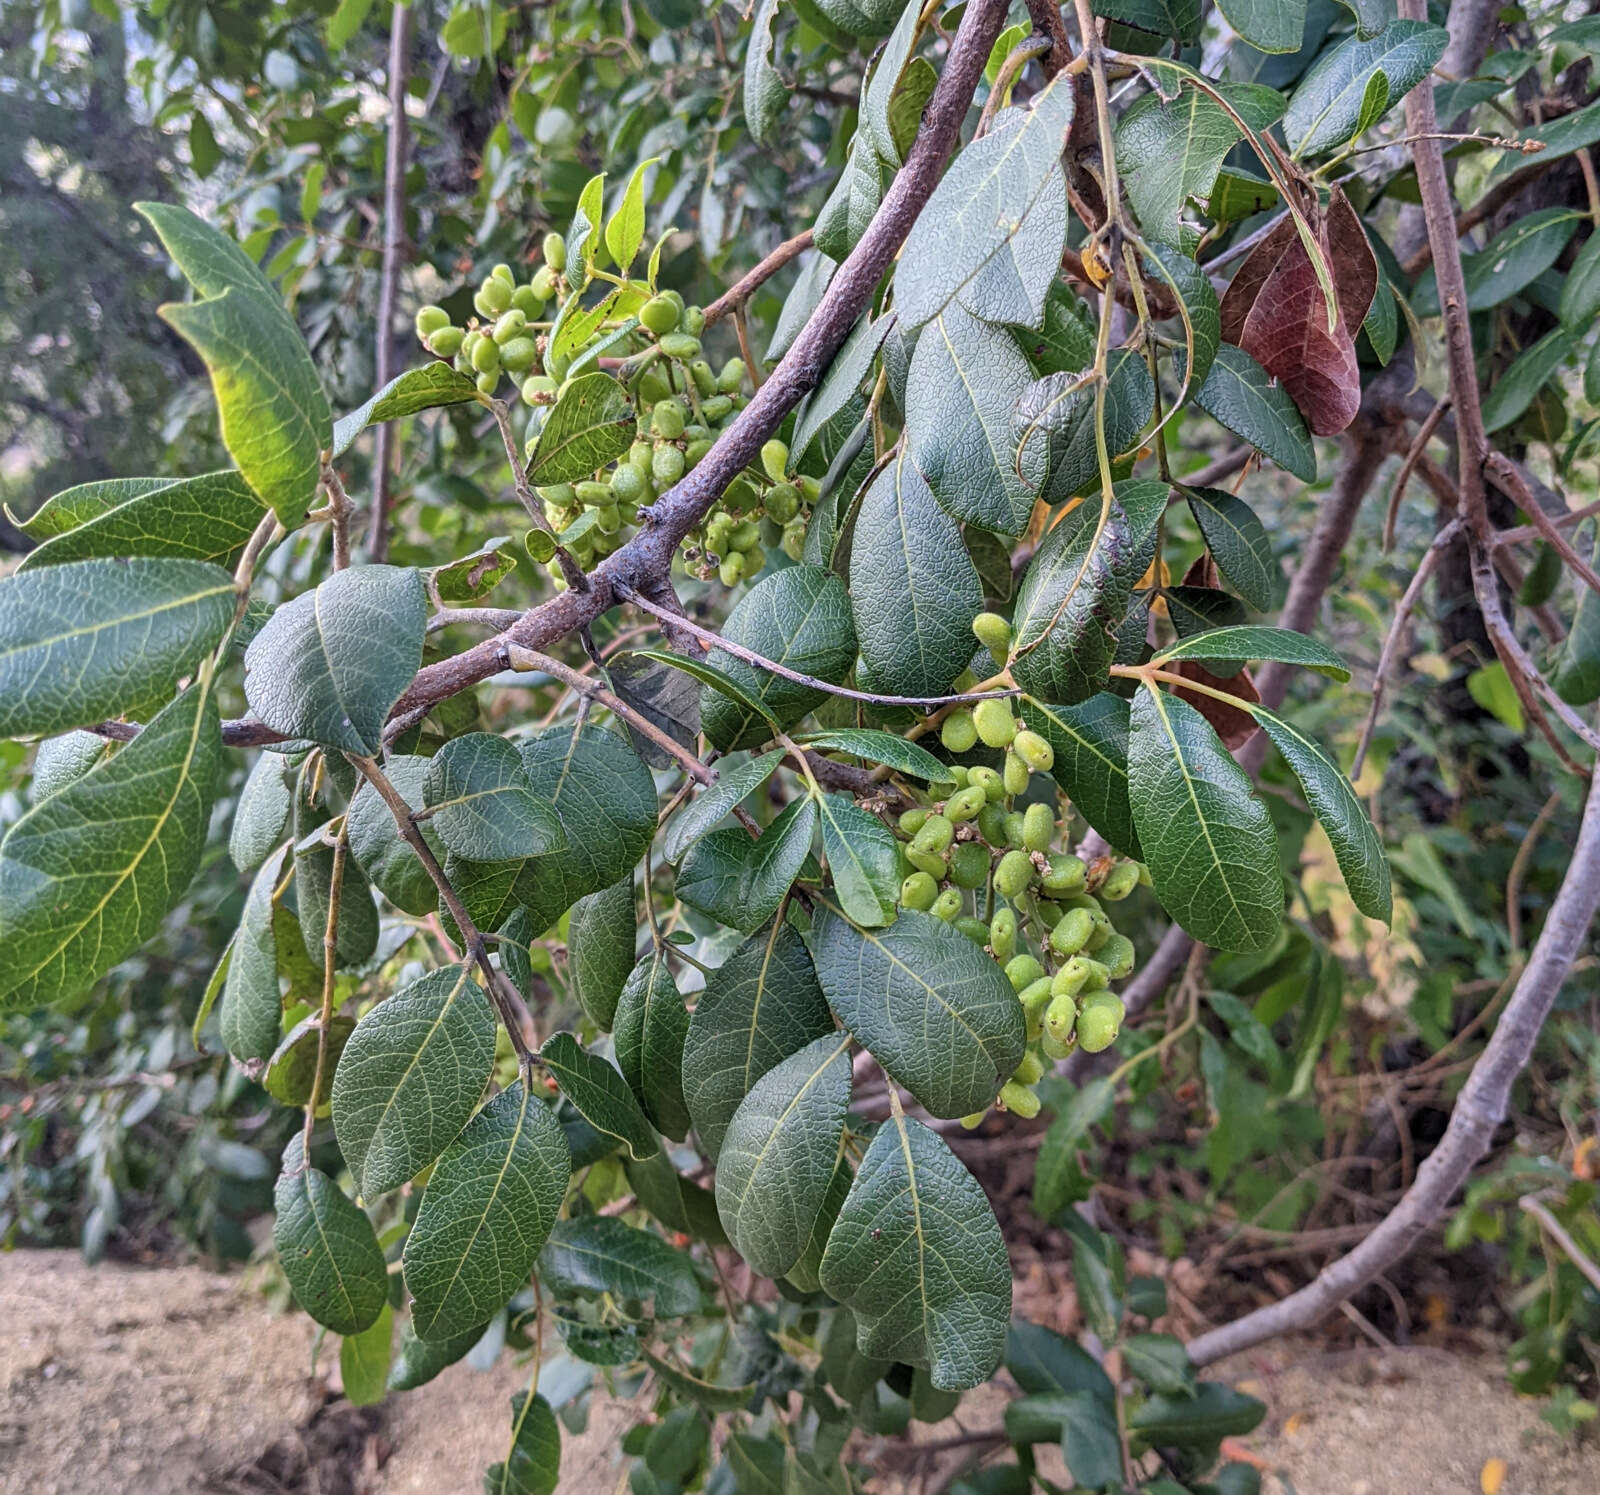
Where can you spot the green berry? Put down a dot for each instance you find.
(1120, 881)
(1022, 971)
(782, 502)
(959, 775)
(1030, 1071)
(508, 324)
(994, 633)
(446, 342)
(716, 407)
(957, 732)
(1035, 997)
(493, 297)
(628, 485)
(995, 723)
(430, 319)
(964, 804)
(518, 354)
(974, 929)
(543, 284)
(918, 892)
(731, 571)
(659, 315)
(1066, 875)
(1013, 875)
(487, 383)
(1038, 827)
(1118, 956)
(538, 389)
(1054, 1050)
(973, 1120)
(730, 377)
(936, 834)
(1060, 1017)
(775, 459)
(555, 252)
(1080, 974)
(947, 905)
(911, 821)
(992, 824)
(696, 450)
(1019, 1100)
(667, 466)
(1003, 933)
(667, 420)
(993, 786)
(504, 272)
(794, 539)
(1014, 825)
(704, 380)
(1034, 751)
(680, 345)
(969, 865)
(1072, 931)
(1014, 774)
(1100, 1020)
(694, 320)
(931, 862)
(486, 357)
(527, 300)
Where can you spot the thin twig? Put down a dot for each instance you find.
(1562, 1237)
(749, 283)
(1414, 453)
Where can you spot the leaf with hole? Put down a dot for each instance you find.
(590, 425)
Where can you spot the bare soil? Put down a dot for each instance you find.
(176, 1379)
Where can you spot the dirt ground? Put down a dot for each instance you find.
(175, 1379)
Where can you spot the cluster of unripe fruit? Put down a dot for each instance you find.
(974, 846)
(683, 404)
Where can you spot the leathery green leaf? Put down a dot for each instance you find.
(327, 1248)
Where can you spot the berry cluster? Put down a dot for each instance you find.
(986, 866)
(683, 404)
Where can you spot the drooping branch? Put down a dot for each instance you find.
(1479, 1110)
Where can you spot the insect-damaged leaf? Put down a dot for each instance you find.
(1276, 310)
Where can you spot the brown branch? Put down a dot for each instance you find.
(1049, 23)
(749, 283)
(1478, 1113)
(394, 245)
(1506, 477)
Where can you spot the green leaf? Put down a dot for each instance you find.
(88, 875)
(411, 1076)
(600, 1254)
(965, 379)
(1075, 592)
(1326, 107)
(533, 1464)
(1214, 1412)
(207, 518)
(1058, 1181)
(1576, 672)
(364, 1360)
(712, 1397)
(291, 1072)
(1064, 343)
(97, 638)
(590, 425)
(1241, 395)
(913, 588)
(1054, 423)
(929, 1006)
(329, 665)
(482, 804)
(485, 1215)
(863, 861)
(840, 385)
(1090, 742)
(816, 270)
(980, 209)
(1238, 543)
(764, 92)
(1269, 26)
(1090, 1442)
(417, 1361)
(583, 238)
(1043, 1362)
(1236, 195)
(1179, 19)
(327, 1248)
(1208, 841)
(261, 818)
(377, 845)
(1561, 137)
(1015, 284)
(426, 388)
(1201, 312)
(1356, 846)
(917, 1255)
(1169, 152)
(602, 930)
(880, 747)
(806, 1273)
(599, 1094)
(759, 1006)
(1255, 641)
(799, 617)
(1508, 264)
(606, 801)
(252, 1009)
(854, 201)
(884, 82)
(1533, 368)
(78, 505)
(674, 1202)
(275, 417)
(651, 1025)
(718, 680)
(736, 782)
(345, 22)
(1580, 291)
(777, 1159)
(470, 578)
(1161, 1361)
(740, 882)
(625, 231)
(357, 935)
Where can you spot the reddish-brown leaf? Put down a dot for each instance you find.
(1276, 311)
(1232, 724)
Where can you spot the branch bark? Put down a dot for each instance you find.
(394, 239)
(1478, 1112)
